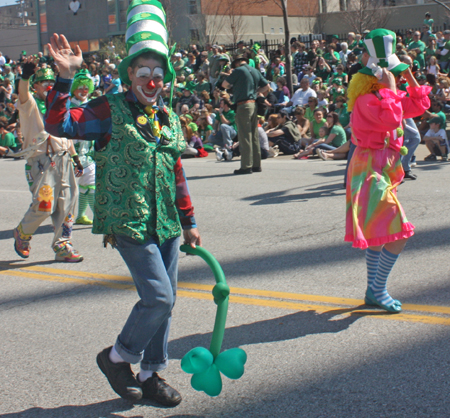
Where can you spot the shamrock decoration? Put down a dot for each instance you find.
(206, 365)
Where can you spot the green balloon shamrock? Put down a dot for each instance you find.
(205, 365)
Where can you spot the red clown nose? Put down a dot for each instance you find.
(48, 88)
(151, 85)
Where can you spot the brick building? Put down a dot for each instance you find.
(23, 13)
(227, 21)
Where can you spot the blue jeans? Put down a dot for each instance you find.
(349, 157)
(224, 137)
(326, 147)
(411, 141)
(154, 269)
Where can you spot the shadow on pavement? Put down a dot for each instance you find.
(281, 196)
(44, 229)
(20, 264)
(106, 409)
(288, 327)
(189, 178)
(403, 380)
(430, 165)
(332, 173)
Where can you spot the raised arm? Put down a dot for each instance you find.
(90, 122)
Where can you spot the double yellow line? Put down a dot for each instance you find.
(438, 315)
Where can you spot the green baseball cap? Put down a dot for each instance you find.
(435, 120)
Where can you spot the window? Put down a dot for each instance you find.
(194, 36)
(43, 16)
(112, 12)
(192, 7)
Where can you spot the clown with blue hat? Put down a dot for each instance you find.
(142, 202)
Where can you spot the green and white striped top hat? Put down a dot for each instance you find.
(380, 45)
(146, 32)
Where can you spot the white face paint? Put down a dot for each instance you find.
(158, 73)
(149, 97)
(144, 72)
(147, 80)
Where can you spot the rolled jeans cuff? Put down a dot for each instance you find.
(127, 355)
(155, 367)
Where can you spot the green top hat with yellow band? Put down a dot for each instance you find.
(380, 45)
(43, 74)
(146, 32)
(82, 78)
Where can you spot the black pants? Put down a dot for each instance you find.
(285, 146)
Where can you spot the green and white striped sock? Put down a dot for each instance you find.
(91, 198)
(82, 203)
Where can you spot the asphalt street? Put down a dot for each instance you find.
(314, 350)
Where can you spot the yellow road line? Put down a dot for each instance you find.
(61, 279)
(249, 301)
(242, 291)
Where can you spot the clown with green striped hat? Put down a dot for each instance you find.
(146, 34)
(381, 45)
(142, 203)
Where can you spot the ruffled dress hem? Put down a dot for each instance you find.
(408, 231)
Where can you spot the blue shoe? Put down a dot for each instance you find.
(393, 307)
(367, 301)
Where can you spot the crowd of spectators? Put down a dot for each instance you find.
(311, 120)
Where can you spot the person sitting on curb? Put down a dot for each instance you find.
(226, 131)
(436, 141)
(286, 135)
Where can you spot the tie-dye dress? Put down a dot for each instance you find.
(374, 216)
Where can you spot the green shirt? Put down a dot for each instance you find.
(337, 92)
(429, 23)
(329, 59)
(322, 73)
(341, 76)
(446, 57)
(407, 41)
(309, 113)
(8, 140)
(340, 138)
(230, 116)
(429, 52)
(420, 57)
(203, 86)
(204, 133)
(317, 126)
(245, 80)
(344, 116)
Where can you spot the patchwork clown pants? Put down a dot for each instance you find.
(54, 193)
